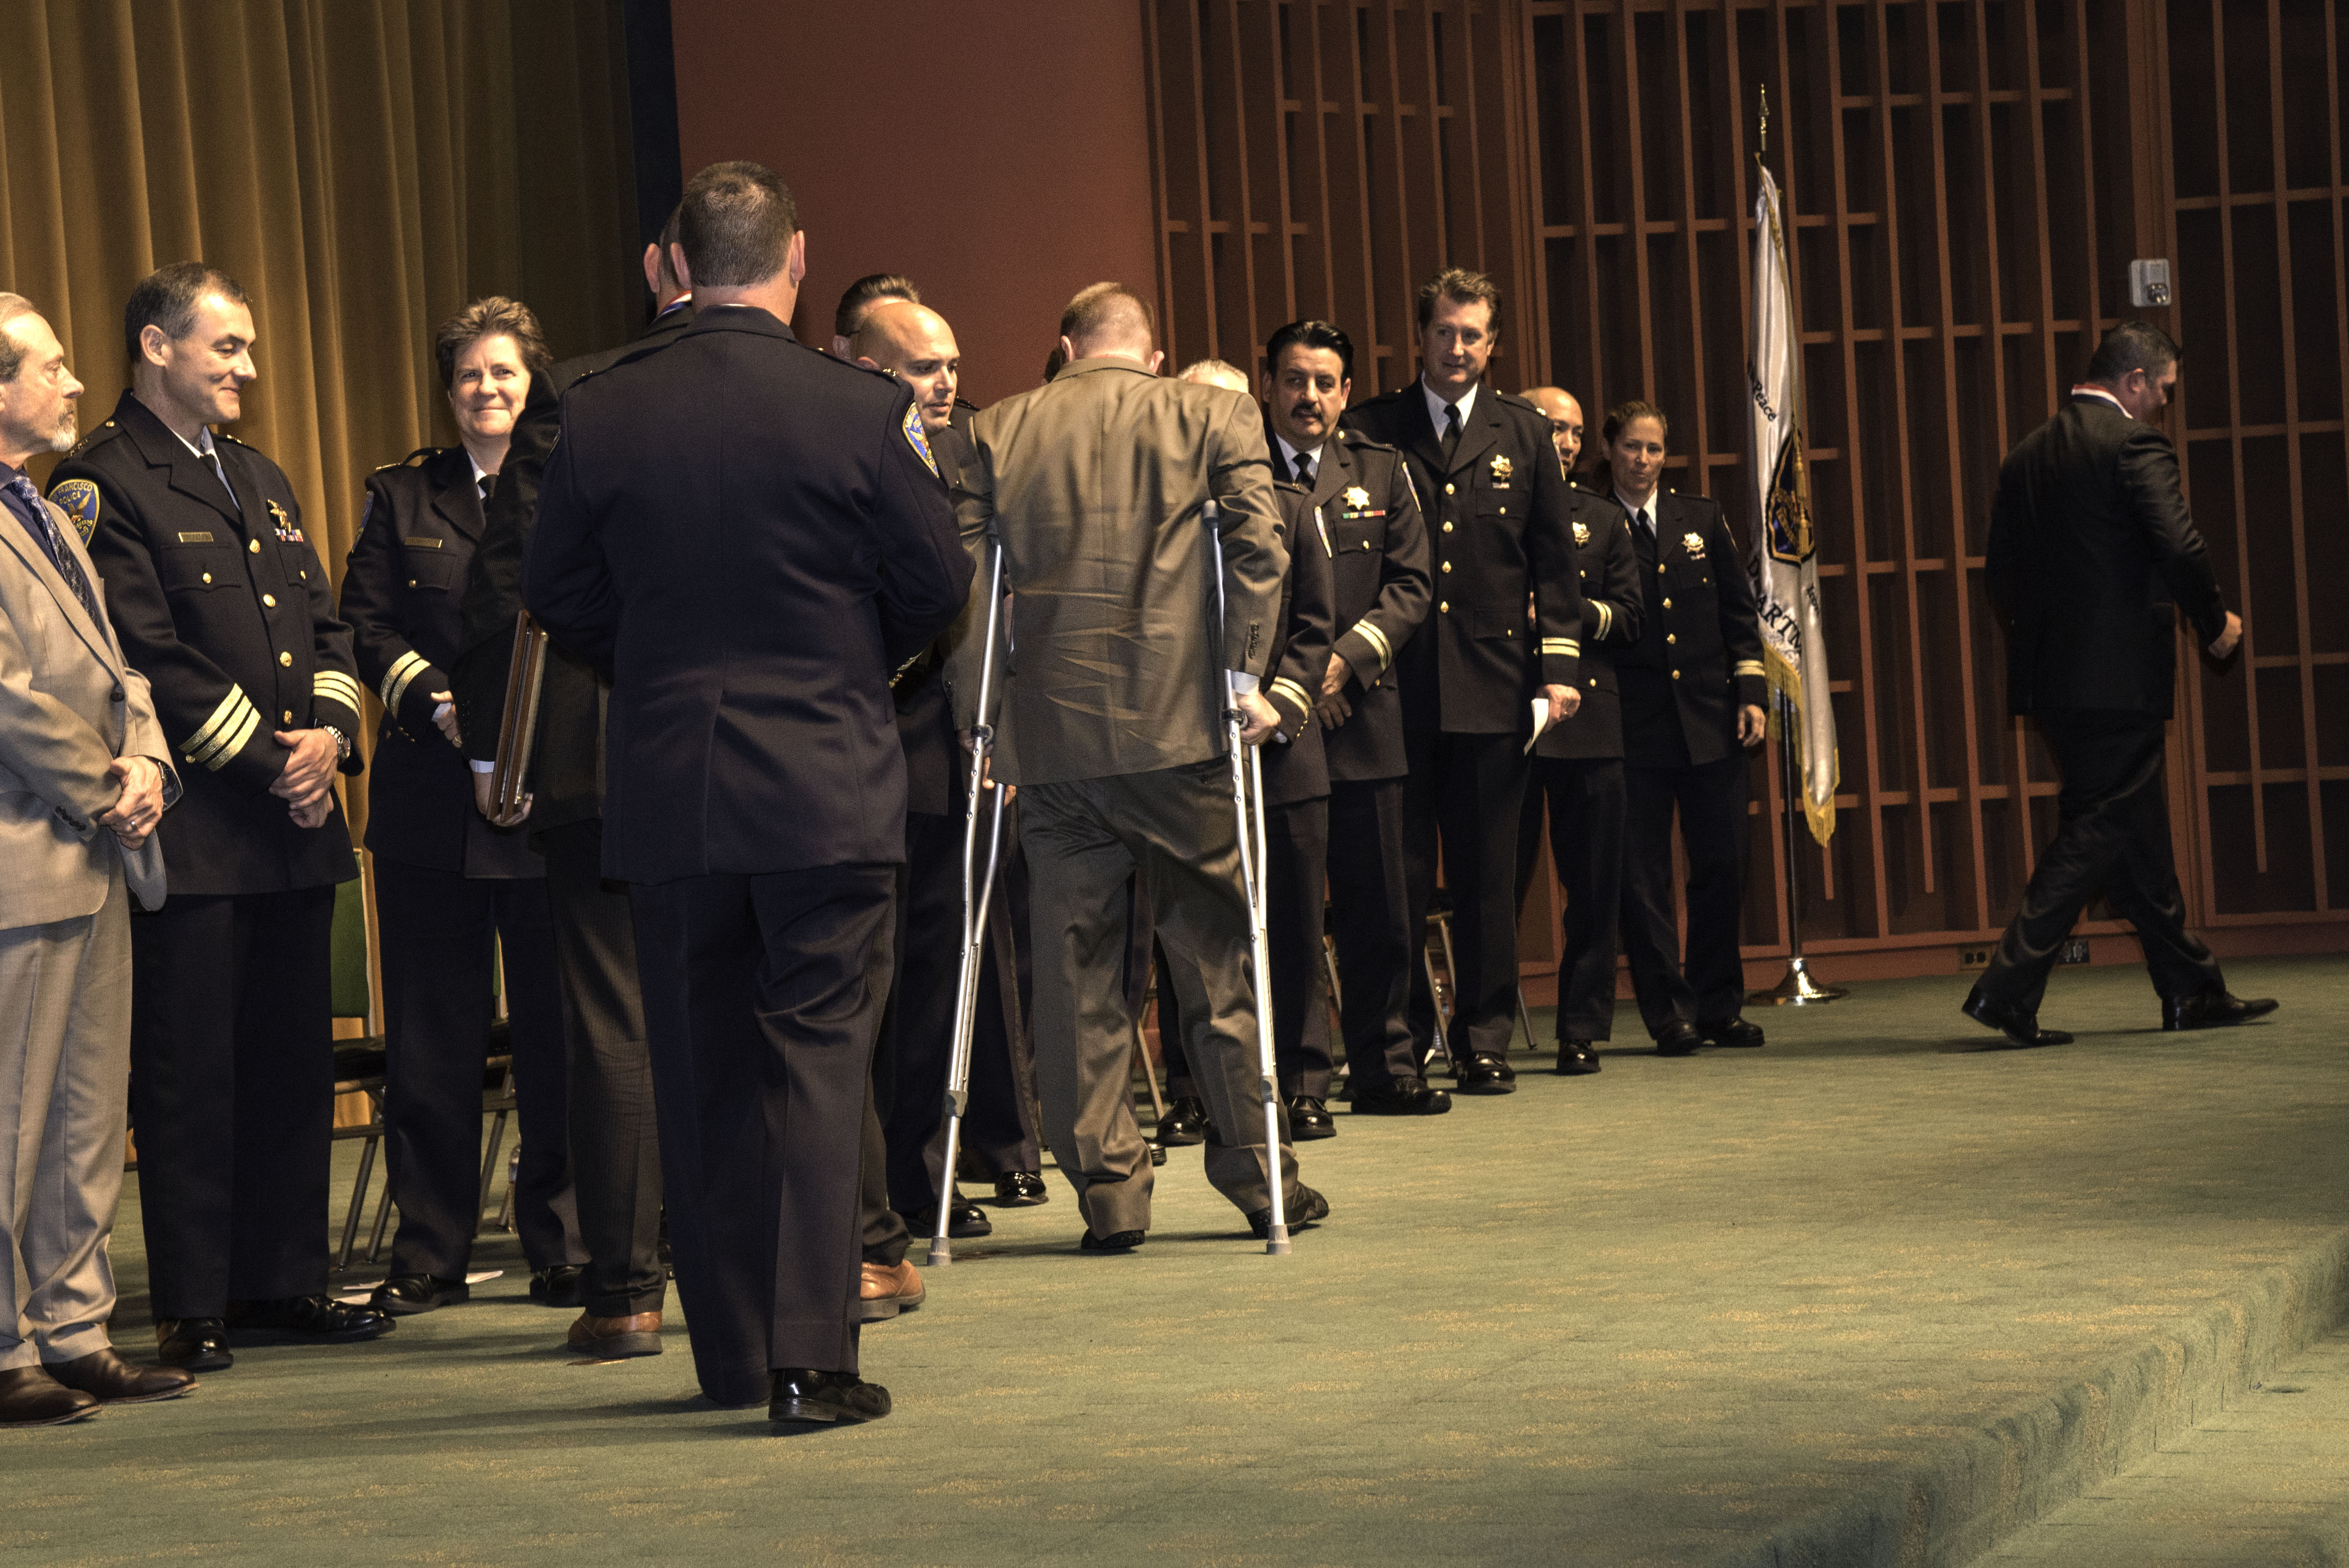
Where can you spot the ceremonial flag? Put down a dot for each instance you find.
(1785, 576)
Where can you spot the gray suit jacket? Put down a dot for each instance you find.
(68, 707)
(1096, 482)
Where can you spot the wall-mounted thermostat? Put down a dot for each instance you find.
(2148, 283)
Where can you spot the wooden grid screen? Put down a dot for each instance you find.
(2257, 129)
(1966, 184)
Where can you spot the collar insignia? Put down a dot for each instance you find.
(287, 534)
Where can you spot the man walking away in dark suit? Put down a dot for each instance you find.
(2090, 555)
(1112, 724)
(614, 1150)
(750, 535)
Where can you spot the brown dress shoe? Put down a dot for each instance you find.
(611, 1338)
(885, 1291)
(29, 1397)
(110, 1380)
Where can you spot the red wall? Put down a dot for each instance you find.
(997, 153)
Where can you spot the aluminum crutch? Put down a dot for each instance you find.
(975, 904)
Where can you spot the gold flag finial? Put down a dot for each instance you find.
(1765, 146)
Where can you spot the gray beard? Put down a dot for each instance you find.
(62, 439)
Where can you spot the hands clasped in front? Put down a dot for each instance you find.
(307, 784)
(139, 807)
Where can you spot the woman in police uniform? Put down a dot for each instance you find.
(451, 890)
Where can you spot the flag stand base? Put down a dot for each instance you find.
(1798, 990)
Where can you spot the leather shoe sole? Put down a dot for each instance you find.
(408, 1295)
(105, 1377)
(825, 1398)
(29, 1397)
(1115, 1242)
(1417, 1100)
(616, 1346)
(2213, 1010)
(2020, 1028)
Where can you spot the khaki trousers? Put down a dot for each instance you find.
(1085, 839)
(65, 1087)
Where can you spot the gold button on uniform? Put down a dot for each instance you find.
(412, 582)
(1668, 604)
(1447, 489)
(208, 576)
(270, 600)
(1446, 606)
(1447, 528)
(289, 715)
(1447, 565)
(284, 659)
(254, 547)
(1676, 675)
(1672, 637)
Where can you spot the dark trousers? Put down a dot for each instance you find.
(614, 1144)
(1586, 802)
(917, 1034)
(763, 995)
(1371, 922)
(443, 933)
(231, 1095)
(1296, 852)
(1710, 986)
(2112, 837)
(1086, 841)
(1462, 796)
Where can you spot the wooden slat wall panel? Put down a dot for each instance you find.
(1965, 184)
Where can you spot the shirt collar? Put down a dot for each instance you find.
(1289, 454)
(2090, 390)
(202, 446)
(1436, 405)
(480, 474)
(1647, 513)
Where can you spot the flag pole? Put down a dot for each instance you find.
(1796, 988)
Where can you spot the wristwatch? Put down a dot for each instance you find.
(342, 743)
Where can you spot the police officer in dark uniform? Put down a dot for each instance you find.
(1369, 524)
(1578, 767)
(452, 892)
(1485, 467)
(221, 601)
(1692, 689)
(615, 1149)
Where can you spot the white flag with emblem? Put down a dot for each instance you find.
(1785, 574)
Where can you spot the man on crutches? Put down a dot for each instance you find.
(1110, 720)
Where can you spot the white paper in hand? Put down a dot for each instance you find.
(1541, 723)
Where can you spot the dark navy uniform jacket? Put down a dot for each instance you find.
(1294, 766)
(566, 766)
(935, 764)
(1612, 606)
(401, 589)
(224, 607)
(750, 537)
(1380, 573)
(1699, 657)
(1498, 529)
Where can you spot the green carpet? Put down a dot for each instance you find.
(1660, 1316)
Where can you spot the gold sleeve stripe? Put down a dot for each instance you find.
(1746, 667)
(1606, 619)
(224, 719)
(1561, 647)
(404, 670)
(1377, 639)
(230, 743)
(1294, 693)
(336, 687)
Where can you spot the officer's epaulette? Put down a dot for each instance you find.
(1514, 400)
(416, 459)
(219, 435)
(1354, 437)
(95, 439)
(1586, 490)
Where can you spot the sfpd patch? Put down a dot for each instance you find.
(78, 499)
(917, 441)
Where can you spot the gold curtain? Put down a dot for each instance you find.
(363, 167)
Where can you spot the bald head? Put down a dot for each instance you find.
(913, 343)
(1110, 319)
(1565, 416)
(1214, 373)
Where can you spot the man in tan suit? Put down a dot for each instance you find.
(83, 781)
(1112, 724)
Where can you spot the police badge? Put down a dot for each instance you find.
(1581, 532)
(1357, 498)
(1693, 542)
(1502, 468)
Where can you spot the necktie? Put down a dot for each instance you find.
(1451, 432)
(220, 473)
(487, 483)
(1305, 469)
(52, 543)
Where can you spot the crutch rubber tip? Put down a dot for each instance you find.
(941, 1252)
(1277, 1244)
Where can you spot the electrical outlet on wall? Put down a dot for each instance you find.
(1972, 958)
(2075, 950)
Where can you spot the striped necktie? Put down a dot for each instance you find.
(42, 524)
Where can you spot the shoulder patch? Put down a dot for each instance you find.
(920, 442)
(78, 499)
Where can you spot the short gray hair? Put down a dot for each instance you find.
(1214, 373)
(12, 354)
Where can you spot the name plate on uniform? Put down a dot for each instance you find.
(420, 541)
(195, 538)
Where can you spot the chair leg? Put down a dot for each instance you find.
(1526, 1017)
(382, 1216)
(1435, 989)
(514, 1169)
(489, 1168)
(358, 1201)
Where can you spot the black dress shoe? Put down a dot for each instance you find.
(963, 1221)
(1309, 1118)
(1157, 1150)
(1575, 1057)
(105, 1377)
(1401, 1097)
(1020, 1189)
(2210, 1010)
(818, 1398)
(1484, 1074)
(29, 1397)
(196, 1343)
(405, 1295)
(1184, 1123)
(2021, 1028)
(1731, 1032)
(321, 1318)
(557, 1285)
(1115, 1242)
(1308, 1208)
(1678, 1038)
